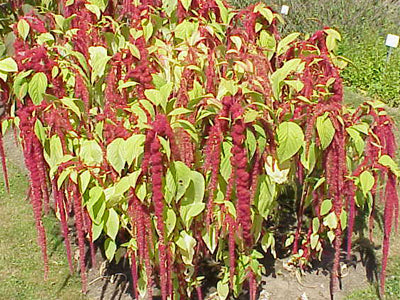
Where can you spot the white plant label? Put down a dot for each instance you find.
(392, 40)
(285, 10)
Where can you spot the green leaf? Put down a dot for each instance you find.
(343, 219)
(97, 229)
(325, 130)
(96, 205)
(134, 147)
(325, 207)
(268, 242)
(196, 187)
(183, 178)
(283, 45)
(37, 87)
(222, 290)
(186, 4)
(278, 77)
(387, 161)
(209, 238)
(154, 96)
(331, 220)
(314, 239)
(185, 29)
(315, 225)
(110, 247)
(187, 244)
(8, 65)
(331, 235)
(23, 28)
(367, 181)
(170, 221)
(112, 224)
(266, 196)
(290, 139)
(179, 111)
(71, 105)
(98, 61)
(265, 12)
(91, 153)
(20, 84)
(169, 6)
(84, 179)
(116, 154)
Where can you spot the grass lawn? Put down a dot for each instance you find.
(21, 266)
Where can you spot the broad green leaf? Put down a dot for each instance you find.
(185, 30)
(8, 65)
(183, 178)
(110, 247)
(222, 290)
(39, 131)
(290, 139)
(186, 4)
(343, 220)
(331, 236)
(187, 244)
(96, 205)
(357, 139)
(264, 11)
(278, 77)
(314, 239)
(209, 238)
(154, 96)
(196, 187)
(134, 147)
(169, 6)
(325, 130)
(23, 28)
(283, 45)
(325, 207)
(91, 153)
(179, 111)
(268, 243)
(315, 225)
(170, 187)
(97, 229)
(98, 61)
(367, 181)
(170, 221)
(331, 220)
(37, 87)
(309, 161)
(387, 161)
(84, 179)
(94, 9)
(20, 84)
(227, 87)
(112, 224)
(266, 197)
(116, 154)
(71, 105)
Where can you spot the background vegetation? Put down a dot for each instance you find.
(364, 25)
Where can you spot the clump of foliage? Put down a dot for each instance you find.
(364, 25)
(170, 128)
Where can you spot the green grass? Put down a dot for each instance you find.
(21, 266)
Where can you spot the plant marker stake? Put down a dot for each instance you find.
(285, 10)
(392, 41)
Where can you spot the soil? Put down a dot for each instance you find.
(108, 282)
